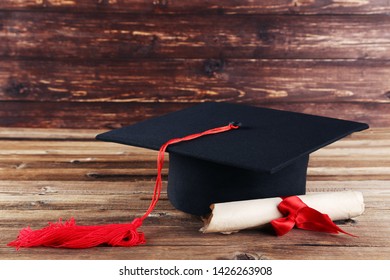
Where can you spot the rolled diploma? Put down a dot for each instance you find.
(230, 217)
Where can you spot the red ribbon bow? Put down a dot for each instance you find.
(298, 214)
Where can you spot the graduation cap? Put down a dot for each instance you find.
(266, 157)
(218, 152)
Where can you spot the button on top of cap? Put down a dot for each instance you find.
(235, 123)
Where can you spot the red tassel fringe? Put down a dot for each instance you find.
(70, 235)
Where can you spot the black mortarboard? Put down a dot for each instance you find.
(266, 157)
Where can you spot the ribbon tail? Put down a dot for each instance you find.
(311, 219)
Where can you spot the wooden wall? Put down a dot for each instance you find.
(108, 63)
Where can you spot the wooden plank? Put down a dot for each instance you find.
(52, 134)
(197, 80)
(100, 115)
(136, 174)
(204, 6)
(90, 202)
(205, 252)
(344, 162)
(130, 159)
(79, 115)
(374, 189)
(133, 171)
(256, 82)
(66, 198)
(104, 37)
(185, 235)
(123, 209)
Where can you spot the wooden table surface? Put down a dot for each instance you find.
(50, 173)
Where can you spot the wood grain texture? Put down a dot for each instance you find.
(53, 182)
(112, 94)
(109, 115)
(204, 6)
(105, 64)
(252, 81)
(120, 37)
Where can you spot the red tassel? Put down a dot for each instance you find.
(70, 235)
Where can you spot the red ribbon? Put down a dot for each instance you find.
(298, 214)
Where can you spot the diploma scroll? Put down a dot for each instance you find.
(234, 216)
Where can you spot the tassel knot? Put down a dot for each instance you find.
(137, 222)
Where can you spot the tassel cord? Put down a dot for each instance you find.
(160, 160)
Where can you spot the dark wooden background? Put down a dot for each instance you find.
(94, 65)
(107, 63)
